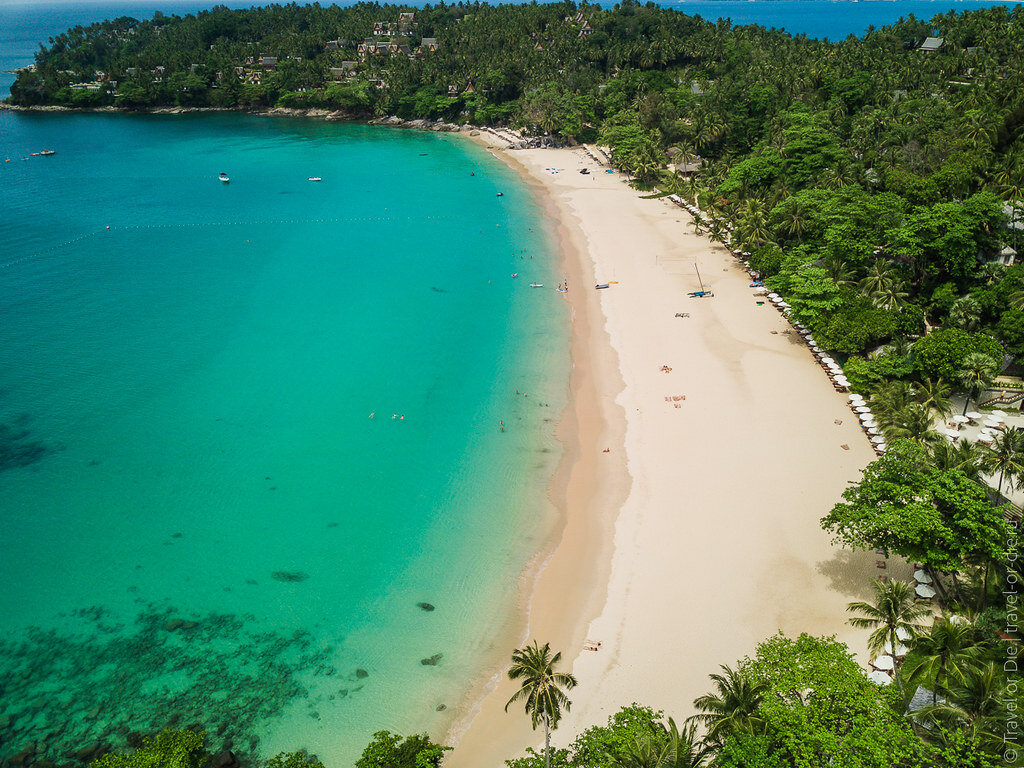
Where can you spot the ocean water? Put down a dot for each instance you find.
(200, 519)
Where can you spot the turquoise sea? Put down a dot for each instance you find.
(201, 520)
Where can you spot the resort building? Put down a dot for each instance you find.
(931, 44)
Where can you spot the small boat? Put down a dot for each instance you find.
(501, 194)
(515, 274)
(601, 285)
(223, 177)
(536, 285)
(48, 152)
(314, 178)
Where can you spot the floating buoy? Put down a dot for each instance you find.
(108, 226)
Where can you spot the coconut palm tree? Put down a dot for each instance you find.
(913, 422)
(1005, 456)
(542, 689)
(890, 295)
(734, 708)
(944, 655)
(669, 748)
(891, 399)
(1016, 299)
(892, 612)
(978, 704)
(934, 395)
(879, 275)
(976, 373)
(960, 455)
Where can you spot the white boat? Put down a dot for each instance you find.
(223, 177)
(314, 178)
(536, 285)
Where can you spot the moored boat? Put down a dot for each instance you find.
(223, 177)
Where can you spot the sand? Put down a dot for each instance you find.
(691, 527)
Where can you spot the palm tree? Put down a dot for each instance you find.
(914, 422)
(1016, 299)
(1005, 456)
(669, 748)
(734, 708)
(893, 611)
(541, 689)
(944, 655)
(879, 275)
(890, 295)
(890, 400)
(977, 704)
(935, 395)
(961, 455)
(965, 313)
(976, 373)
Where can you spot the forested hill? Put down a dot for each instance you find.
(872, 180)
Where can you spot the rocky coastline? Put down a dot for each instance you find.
(510, 139)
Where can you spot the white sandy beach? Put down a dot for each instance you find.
(696, 535)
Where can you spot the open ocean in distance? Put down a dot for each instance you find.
(198, 517)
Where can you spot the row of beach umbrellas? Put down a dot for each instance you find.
(867, 421)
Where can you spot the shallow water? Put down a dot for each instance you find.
(187, 397)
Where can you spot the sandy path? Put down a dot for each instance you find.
(716, 541)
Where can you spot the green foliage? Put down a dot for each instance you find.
(603, 746)
(903, 504)
(867, 375)
(814, 295)
(168, 749)
(941, 353)
(389, 750)
(298, 759)
(820, 709)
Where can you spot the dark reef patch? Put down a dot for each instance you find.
(18, 445)
(104, 682)
(289, 576)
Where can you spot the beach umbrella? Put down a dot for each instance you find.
(877, 439)
(883, 662)
(972, 415)
(869, 424)
(923, 590)
(1000, 414)
(879, 677)
(854, 396)
(902, 634)
(991, 423)
(773, 296)
(862, 409)
(881, 447)
(865, 417)
(952, 434)
(842, 381)
(827, 360)
(871, 430)
(901, 650)
(984, 438)
(959, 419)
(921, 577)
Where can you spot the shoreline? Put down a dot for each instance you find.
(708, 541)
(584, 487)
